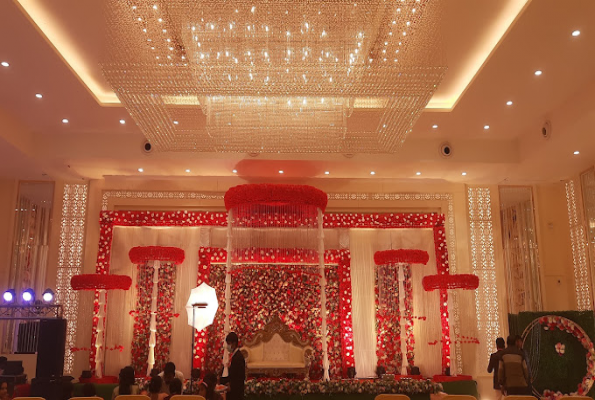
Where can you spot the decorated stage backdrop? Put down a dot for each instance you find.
(360, 235)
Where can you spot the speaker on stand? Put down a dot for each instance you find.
(50, 359)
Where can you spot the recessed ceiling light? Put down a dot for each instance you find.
(418, 173)
(509, 103)
(486, 127)
(5, 64)
(463, 173)
(141, 170)
(434, 126)
(280, 171)
(576, 33)
(576, 153)
(39, 95)
(122, 121)
(326, 172)
(187, 170)
(372, 173)
(538, 72)
(176, 122)
(235, 171)
(65, 121)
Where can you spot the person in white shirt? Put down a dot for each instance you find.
(169, 374)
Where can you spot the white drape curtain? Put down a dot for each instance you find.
(119, 323)
(364, 243)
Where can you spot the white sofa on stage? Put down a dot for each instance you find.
(276, 350)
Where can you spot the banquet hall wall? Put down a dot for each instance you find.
(551, 222)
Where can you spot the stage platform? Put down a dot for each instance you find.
(468, 387)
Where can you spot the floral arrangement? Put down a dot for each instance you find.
(142, 254)
(552, 322)
(99, 281)
(275, 194)
(388, 317)
(405, 256)
(109, 219)
(447, 281)
(301, 281)
(443, 269)
(408, 314)
(142, 315)
(274, 388)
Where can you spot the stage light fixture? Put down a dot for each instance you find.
(9, 296)
(28, 296)
(48, 296)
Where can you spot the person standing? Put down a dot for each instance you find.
(237, 368)
(513, 374)
(494, 364)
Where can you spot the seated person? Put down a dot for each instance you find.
(5, 391)
(127, 383)
(3, 361)
(175, 388)
(168, 374)
(209, 384)
(89, 390)
(155, 389)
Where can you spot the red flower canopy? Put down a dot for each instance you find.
(458, 281)
(275, 195)
(100, 281)
(406, 256)
(142, 254)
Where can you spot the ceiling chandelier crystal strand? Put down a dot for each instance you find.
(283, 76)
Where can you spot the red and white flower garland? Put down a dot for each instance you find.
(552, 322)
(253, 290)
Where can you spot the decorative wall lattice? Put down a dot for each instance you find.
(70, 260)
(521, 255)
(579, 249)
(481, 240)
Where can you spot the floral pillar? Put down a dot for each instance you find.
(396, 265)
(100, 333)
(153, 323)
(100, 283)
(323, 327)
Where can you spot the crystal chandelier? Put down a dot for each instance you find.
(289, 76)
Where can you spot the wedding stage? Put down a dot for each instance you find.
(361, 290)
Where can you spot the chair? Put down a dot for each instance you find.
(28, 398)
(515, 397)
(392, 397)
(87, 398)
(575, 398)
(132, 397)
(192, 397)
(460, 397)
